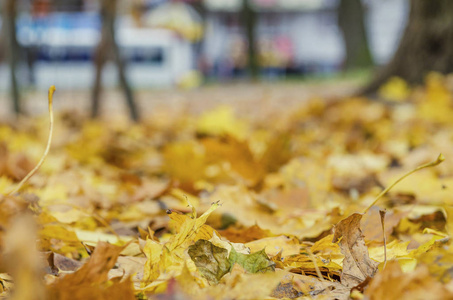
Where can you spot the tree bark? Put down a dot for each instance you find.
(351, 20)
(249, 22)
(12, 49)
(426, 45)
(99, 61)
(108, 46)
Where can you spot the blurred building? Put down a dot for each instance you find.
(297, 36)
(162, 41)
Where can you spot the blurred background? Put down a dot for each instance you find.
(162, 41)
(83, 45)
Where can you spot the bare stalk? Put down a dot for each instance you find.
(49, 141)
(439, 160)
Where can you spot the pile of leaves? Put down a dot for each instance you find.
(212, 206)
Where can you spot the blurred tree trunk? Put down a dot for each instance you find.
(249, 18)
(108, 46)
(351, 20)
(426, 45)
(9, 10)
(200, 8)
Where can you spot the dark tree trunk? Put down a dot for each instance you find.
(426, 45)
(108, 46)
(99, 61)
(249, 22)
(352, 24)
(199, 8)
(12, 49)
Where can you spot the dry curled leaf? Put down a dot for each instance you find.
(357, 265)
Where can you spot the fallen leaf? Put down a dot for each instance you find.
(58, 262)
(253, 263)
(357, 265)
(439, 262)
(244, 235)
(295, 285)
(168, 259)
(242, 285)
(273, 245)
(391, 283)
(221, 121)
(371, 224)
(211, 261)
(283, 175)
(91, 279)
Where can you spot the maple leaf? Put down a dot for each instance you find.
(168, 259)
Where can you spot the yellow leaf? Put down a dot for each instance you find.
(395, 249)
(395, 89)
(273, 245)
(168, 260)
(153, 252)
(93, 237)
(191, 230)
(222, 121)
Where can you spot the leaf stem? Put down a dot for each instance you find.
(382, 215)
(439, 160)
(49, 141)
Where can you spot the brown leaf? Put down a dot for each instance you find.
(96, 269)
(57, 262)
(90, 280)
(15, 165)
(295, 285)
(392, 284)
(289, 200)
(371, 225)
(357, 265)
(286, 290)
(244, 235)
(11, 206)
(117, 290)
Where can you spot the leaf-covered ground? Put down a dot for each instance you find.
(216, 206)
